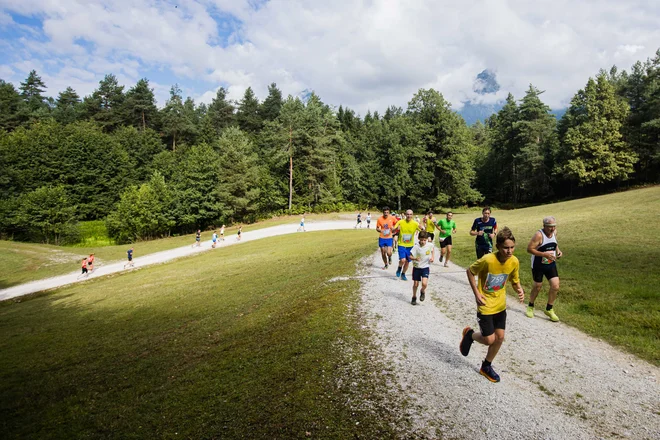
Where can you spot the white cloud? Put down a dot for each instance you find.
(365, 54)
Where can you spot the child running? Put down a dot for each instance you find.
(422, 255)
(302, 224)
(238, 234)
(222, 233)
(129, 254)
(493, 270)
(83, 266)
(198, 238)
(214, 240)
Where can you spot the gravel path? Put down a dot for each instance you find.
(164, 256)
(556, 383)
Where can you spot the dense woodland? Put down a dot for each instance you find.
(150, 172)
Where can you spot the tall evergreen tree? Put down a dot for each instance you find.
(537, 142)
(247, 113)
(11, 107)
(270, 108)
(176, 119)
(67, 107)
(221, 112)
(593, 150)
(140, 106)
(32, 92)
(106, 104)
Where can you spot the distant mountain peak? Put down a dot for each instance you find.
(486, 82)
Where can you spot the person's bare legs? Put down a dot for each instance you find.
(448, 256)
(554, 290)
(494, 342)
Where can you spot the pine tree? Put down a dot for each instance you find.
(176, 120)
(106, 105)
(32, 92)
(11, 107)
(140, 106)
(221, 112)
(247, 113)
(593, 150)
(270, 108)
(67, 107)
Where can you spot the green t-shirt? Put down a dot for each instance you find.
(447, 226)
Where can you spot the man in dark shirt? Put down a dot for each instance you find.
(485, 229)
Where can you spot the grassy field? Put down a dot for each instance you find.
(242, 342)
(610, 266)
(23, 262)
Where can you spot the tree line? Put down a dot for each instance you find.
(151, 172)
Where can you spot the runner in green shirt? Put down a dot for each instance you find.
(447, 227)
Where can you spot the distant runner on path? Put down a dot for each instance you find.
(485, 229)
(422, 255)
(359, 220)
(429, 227)
(407, 230)
(368, 220)
(222, 233)
(90, 263)
(84, 268)
(198, 238)
(238, 233)
(385, 226)
(447, 227)
(129, 254)
(214, 239)
(545, 252)
(493, 270)
(302, 224)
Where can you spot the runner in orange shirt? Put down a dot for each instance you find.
(385, 226)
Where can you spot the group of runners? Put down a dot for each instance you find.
(359, 220)
(487, 276)
(87, 265)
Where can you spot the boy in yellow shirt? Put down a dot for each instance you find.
(493, 270)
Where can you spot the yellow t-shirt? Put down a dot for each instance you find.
(493, 276)
(430, 225)
(407, 231)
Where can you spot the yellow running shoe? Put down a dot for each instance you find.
(552, 315)
(530, 312)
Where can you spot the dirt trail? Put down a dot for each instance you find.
(556, 381)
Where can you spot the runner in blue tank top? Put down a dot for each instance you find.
(545, 252)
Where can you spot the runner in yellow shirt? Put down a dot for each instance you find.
(407, 230)
(493, 270)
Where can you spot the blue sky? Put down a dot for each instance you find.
(366, 54)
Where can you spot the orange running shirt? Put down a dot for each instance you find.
(386, 225)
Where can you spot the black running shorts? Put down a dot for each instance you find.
(547, 270)
(446, 242)
(488, 323)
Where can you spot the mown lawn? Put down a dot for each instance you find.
(249, 341)
(610, 266)
(24, 262)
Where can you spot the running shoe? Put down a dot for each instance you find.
(552, 315)
(385, 267)
(414, 301)
(441, 258)
(466, 341)
(489, 373)
(398, 272)
(529, 312)
(422, 295)
(389, 259)
(403, 277)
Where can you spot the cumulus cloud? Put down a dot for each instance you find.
(365, 54)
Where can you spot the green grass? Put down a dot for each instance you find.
(93, 234)
(24, 262)
(610, 266)
(243, 342)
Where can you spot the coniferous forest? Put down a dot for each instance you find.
(150, 171)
